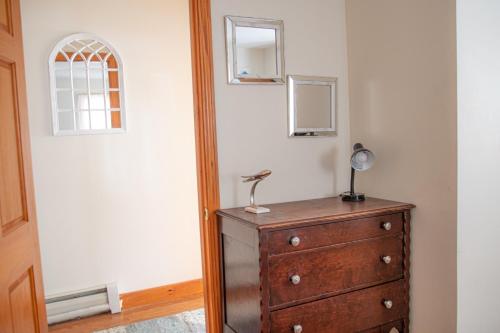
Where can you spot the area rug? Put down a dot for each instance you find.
(185, 322)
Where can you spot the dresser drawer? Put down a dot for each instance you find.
(394, 327)
(348, 313)
(297, 239)
(334, 269)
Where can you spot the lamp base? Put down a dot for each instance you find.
(353, 197)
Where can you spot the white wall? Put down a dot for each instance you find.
(402, 74)
(117, 207)
(252, 120)
(478, 23)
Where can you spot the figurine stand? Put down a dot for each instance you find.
(253, 208)
(257, 210)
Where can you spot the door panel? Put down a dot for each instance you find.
(5, 16)
(22, 305)
(12, 197)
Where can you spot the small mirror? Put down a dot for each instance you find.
(312, 106)
(254, 50)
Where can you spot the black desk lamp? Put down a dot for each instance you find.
(361, 159)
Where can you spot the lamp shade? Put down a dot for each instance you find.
(361, 159)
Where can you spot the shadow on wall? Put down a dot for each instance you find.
(329, 160)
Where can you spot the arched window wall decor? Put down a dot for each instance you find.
(86, 78)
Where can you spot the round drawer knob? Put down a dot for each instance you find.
(387, 226)
(295, 279)
(295, 241)
(394, 330)
(297, 329)
(387, 259)
(388, 303)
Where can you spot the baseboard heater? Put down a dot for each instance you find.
(83, 303)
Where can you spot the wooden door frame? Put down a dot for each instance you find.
(206, 157)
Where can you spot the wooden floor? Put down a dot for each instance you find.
(89, 325)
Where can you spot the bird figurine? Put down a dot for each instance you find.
(257, 178)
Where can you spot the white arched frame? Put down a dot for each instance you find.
(87, 91)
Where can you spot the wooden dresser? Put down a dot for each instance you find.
(316, 266)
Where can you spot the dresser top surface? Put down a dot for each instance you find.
(325, 209)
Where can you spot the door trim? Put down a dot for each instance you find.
(206, 158)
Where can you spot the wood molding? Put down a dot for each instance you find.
(206, 157)
(171, 293)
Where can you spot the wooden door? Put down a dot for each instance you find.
(22, 308)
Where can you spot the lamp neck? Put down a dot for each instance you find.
(353, 173)
(357, 146)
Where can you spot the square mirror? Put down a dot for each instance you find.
(312, 106)
(254, 50)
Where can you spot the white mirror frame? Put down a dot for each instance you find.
(231, 22)
(293, 82)
(53, 90)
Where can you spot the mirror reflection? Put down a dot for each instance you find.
(313, 104)
(256, 51)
